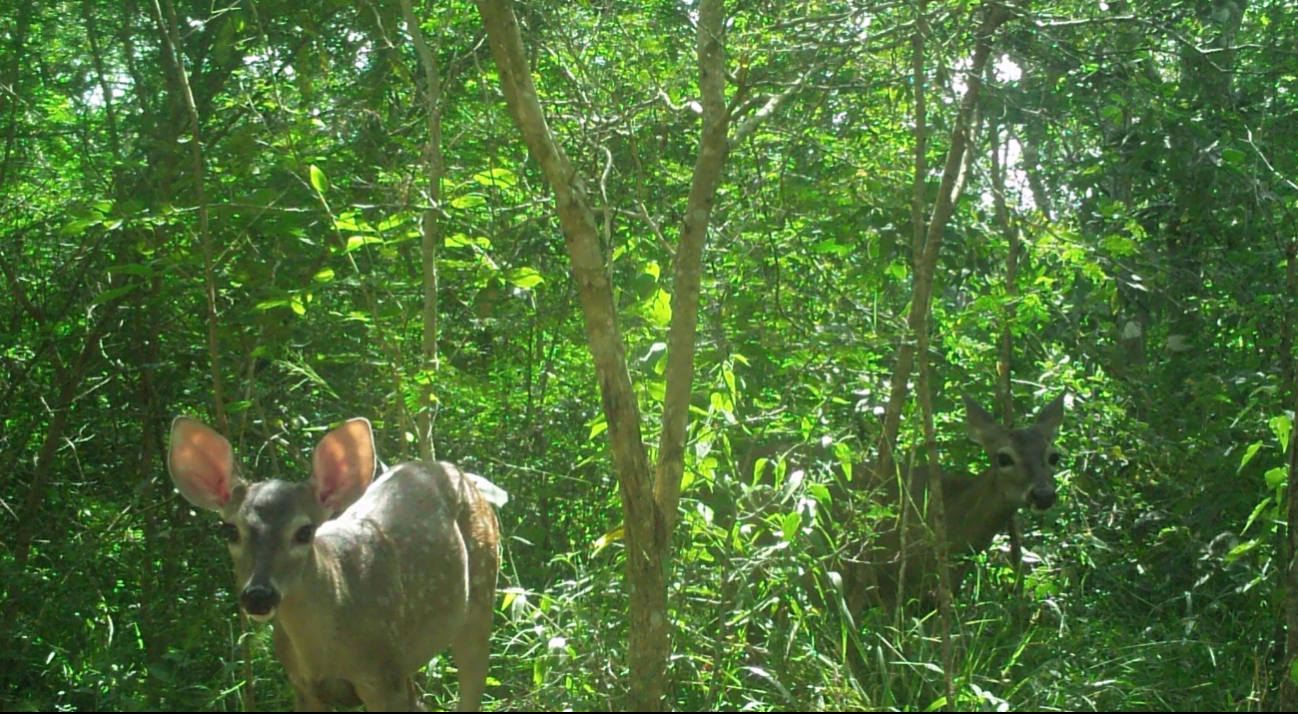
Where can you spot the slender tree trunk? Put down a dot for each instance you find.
(1004, 370)
(713, 149)
(649, 503)
(919, 191)
(170, 41)
(948, 194)
(1288, 688)
(937, 509)
(435, 170)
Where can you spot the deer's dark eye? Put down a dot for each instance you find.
(1004, 460)
(231, 532)
(1053, 459)
(304, 534)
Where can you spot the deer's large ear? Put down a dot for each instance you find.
(981, 425)
(201, 463)
(343, 465)
(1051, 417)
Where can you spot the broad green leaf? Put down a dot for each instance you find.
(355, 242)
(73, 228)
(498, 176)
(830, 246)
(395, 220)
(525, 278)
(460, 240)
(659, 309)
(1276, 477)
(236, 407)
(790, 525)
(469, 200)
(1282, 426)
(319, 181)
(821, 493)
(597, 428)
(325, 275)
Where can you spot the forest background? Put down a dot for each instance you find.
(597, 251)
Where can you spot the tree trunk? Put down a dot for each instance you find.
(430, 226)
(649, 503)
(926, 263)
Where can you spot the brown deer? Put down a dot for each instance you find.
(364, 579)
(1022, 473)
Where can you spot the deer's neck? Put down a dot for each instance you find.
(316, 595)
(975, 512)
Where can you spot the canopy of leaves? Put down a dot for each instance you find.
(1152, 176)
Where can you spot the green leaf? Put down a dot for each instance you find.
(319, 181)
(790, 525)
(1257, 511)
(597, 428)
(494, 177)
(1276, 477)
(821, 493)
(830, 246)
(270, 304)
(74, 228)
(1248, 455)
(1234, 156)
(1118, 245)
(236, 407)
(357, 241)
(1282, 426)
(460, 240)
(469, 200)
(659, 309)
(325, 275)
(525, 278)
(395, 220)
(1240, 550)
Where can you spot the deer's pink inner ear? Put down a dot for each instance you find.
(343, 465)
(201, 463)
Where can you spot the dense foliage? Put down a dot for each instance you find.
(1150, 160)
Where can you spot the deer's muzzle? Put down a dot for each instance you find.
(259, 601)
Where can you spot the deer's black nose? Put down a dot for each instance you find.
(1042, 497)
(259, 599)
